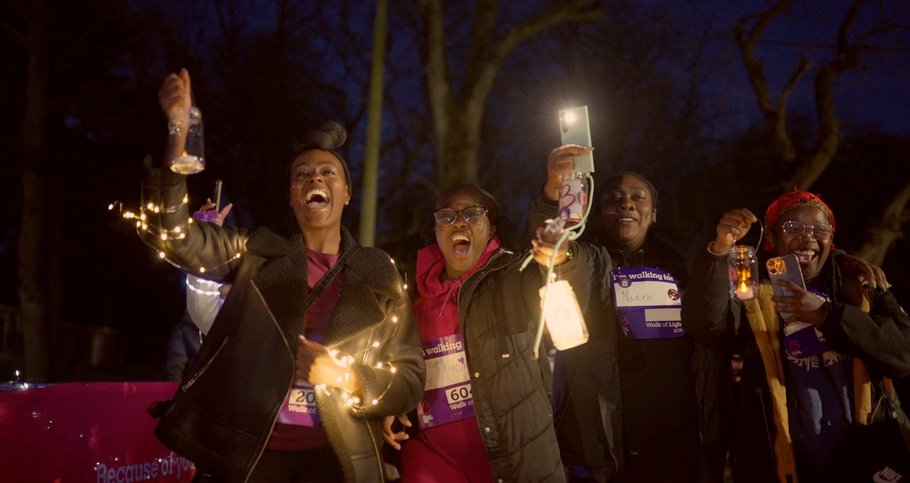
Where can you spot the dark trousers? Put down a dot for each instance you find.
(317, 465)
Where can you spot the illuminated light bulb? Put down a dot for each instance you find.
(563, 316)
(393, 370)
(182, 236)
(161, 255)
(379, 365)
(376, 343)
(237, 255)
(394, 318)
(177, 230)
(110, 207)
(392, 260)
(156, 210)
(186, 199)
(142, 217)
(333, 352)
(375, 402)
(190, 220)
(405, 286)
(144, 226)
(744, 291)
(164, 236)
(201, 269)
(138, 224)
(356, 400)
(150, 206)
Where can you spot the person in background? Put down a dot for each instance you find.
(315, 342)
(203, 301)
(804, 353)
(182, 346)
(477, 312)
(204, 298)
(641, 401)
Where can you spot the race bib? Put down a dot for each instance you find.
(803, 340)
(299, 406)
(447, 394)
(648, 303)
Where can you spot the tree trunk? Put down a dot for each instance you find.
(367, 233)
(32, 270)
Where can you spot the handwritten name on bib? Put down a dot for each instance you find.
(648, 303)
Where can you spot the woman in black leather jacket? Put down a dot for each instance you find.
(314, 343)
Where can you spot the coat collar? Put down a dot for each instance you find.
(368, 275)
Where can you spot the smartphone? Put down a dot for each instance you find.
(574, 129)
(784, 268)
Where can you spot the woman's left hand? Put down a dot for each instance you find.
(542, 250)
(804, 306)
(315, 364)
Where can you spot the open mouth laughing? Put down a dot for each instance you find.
(317, 198)
(461, 243)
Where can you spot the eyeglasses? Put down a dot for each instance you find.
(799, 229)
(448, 216)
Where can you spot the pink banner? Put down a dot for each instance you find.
(85, 432)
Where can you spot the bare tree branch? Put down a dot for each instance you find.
(18, 37)
(828, 124)
(804, 65)
(576, 11)
(483, 30)
(755, 70)
(879, 239)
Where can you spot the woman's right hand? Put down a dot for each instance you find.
(392, 437)
(560, 162)
(175, 94)
(732, 227)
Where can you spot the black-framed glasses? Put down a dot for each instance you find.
(448, 216)
(799, 229)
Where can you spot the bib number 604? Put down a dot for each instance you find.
(460, 393)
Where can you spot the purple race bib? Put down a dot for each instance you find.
(648, 303)
(299, 406)
(447, 393)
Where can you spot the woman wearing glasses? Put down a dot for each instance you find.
(799, 370)
(485, 414)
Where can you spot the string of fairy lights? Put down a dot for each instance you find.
(148, 232)
(161, 233)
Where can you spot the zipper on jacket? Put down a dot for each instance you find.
(199, 373)
(290, 383)
(377, 452)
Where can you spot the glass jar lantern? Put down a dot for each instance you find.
(743, 272)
